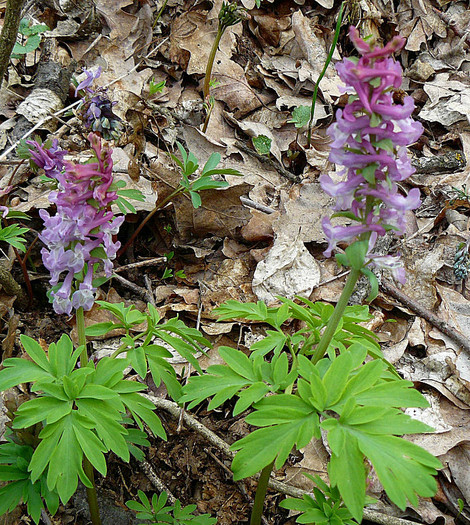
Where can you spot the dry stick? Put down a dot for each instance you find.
(147, 262)
(141, 292)
(266, 160)
(11, 24)
(174, 410)
(423, 312)
(156, 481)
(256, 206)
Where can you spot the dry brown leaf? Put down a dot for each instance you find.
(315, 52)
(304, 206)
(259, 227)
(455, 310)
(422, 263)
(418, 23)
(449, 100)
(221, 213)
(288, 270)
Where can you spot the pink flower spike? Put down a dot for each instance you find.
(369, 139)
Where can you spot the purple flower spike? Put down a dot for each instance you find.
(369, 139)
(83, 222)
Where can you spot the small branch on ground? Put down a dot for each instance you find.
(156, 481)
(423, 312)
(266, 160)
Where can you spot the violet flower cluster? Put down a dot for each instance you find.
(370, 136)
(80, 234)
(95, 108)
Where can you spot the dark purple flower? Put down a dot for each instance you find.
(95, 109)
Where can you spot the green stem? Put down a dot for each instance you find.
(80, 319)
(157, 18)
(337, 314)
(260, 495)
(210, 61)
(322, 74)
(87, 466)
(207, 78)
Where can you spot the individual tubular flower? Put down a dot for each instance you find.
(95, 108)
(80, 234)
(369, 139)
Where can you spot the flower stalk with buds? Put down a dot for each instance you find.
(229, 15)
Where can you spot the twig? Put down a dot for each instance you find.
(45, 518)
(266, 160)
(423, 312)
(5, 154)
(252, 204)
(156, 481)
(148, 285)
(142, 292)
(174, 410)
(147, 262)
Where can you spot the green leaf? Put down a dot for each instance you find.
(92, 447)
(99, 329)
(133, 194)
(40, 409)
(237, 361)
(219, 381)
(301, 116)
(195, 199)
(11, 495)
(385, 144)
(262, 144)
(334, 380)
(65, 463)
(273, 342)
(211, 163)
(250, 395)
(143, 409)
(99, 253)
(404, 469)
(107, 425)
(374, 284)
(35, 352)
(369, 172)
(206, 183)
(356, 253)
(375, 120)
(349, 476)
(292, 422)
(138, 361)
